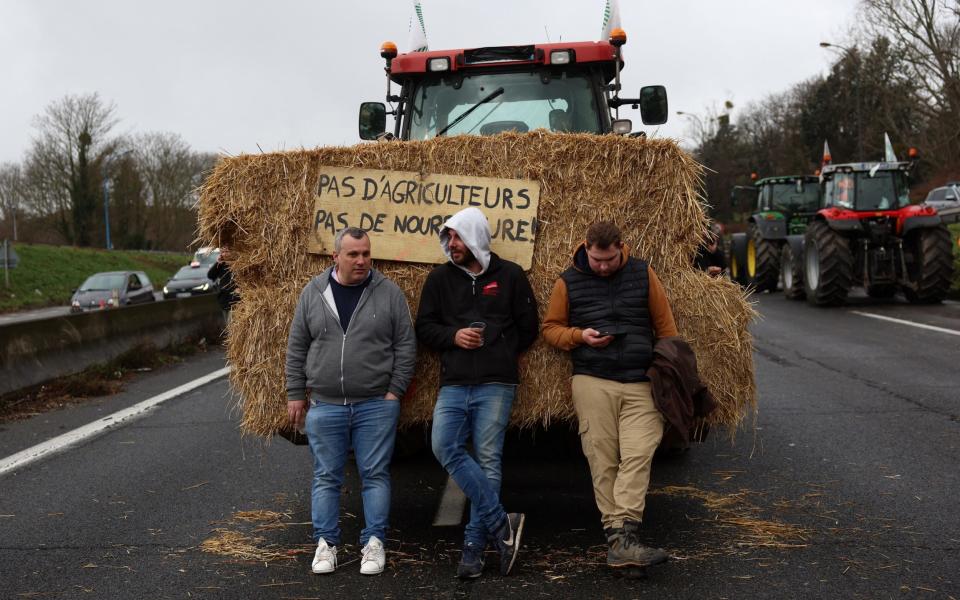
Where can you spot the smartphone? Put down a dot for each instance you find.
(607, 333)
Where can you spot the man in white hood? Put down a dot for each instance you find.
(479, 313)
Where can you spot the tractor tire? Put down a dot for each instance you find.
(738, 259)
(763, 261)
(828, 265)
(929, 265)
(791, 269)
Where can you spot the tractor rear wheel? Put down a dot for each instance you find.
(763, 261)
(929, 265)
(828, 265)
(791, 268)
(738, 258)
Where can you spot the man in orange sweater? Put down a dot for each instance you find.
(607, 310)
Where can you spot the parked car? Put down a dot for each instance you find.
(205, 257)
(189, 281)
(944, 197)
(112, 290)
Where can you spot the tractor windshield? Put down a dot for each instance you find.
(798, 197)
(560, 102)
(885, 190)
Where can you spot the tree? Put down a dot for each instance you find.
(926, 35)
(63, 162)
(171, 173)
(11, 194)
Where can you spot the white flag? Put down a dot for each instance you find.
(888, 154)
(611, 18)
(418, 31)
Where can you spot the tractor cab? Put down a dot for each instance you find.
(866, 187)
(792, 198)
(563, 87)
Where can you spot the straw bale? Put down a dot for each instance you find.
(261, 205)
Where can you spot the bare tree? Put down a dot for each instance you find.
(171, 173)
(926, 33)
(11, 194)
(62, 163)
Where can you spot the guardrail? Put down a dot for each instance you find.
(32, 352)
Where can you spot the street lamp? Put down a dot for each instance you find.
(856, 92)
(106, 192)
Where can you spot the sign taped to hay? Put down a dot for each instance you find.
(403, 212)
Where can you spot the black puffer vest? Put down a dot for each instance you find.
(617, 304)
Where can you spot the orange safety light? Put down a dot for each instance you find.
(618, 37)
(913, 152)
(817, 173)
(754, 177)
(388, 50)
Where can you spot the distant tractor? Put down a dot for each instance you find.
(869, 235)
(782, 208)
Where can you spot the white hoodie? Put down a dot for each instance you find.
(472, 227)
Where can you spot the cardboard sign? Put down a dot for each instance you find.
(403, 212)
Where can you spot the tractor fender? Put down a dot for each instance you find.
(911, 223)
(849, 221)
(772, 226)
(796, 243)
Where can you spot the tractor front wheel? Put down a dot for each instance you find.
(828, 265)
(763, 261)
(929, 258)
(791, 268)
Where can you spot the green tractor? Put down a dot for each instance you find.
(782, 207)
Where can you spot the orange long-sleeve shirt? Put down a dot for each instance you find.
(556, 326)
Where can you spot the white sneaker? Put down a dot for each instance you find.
(374, 557)
(324, 559)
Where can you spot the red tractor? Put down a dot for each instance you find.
(867, 234)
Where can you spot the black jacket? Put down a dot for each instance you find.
(501, 297)
(226, 289)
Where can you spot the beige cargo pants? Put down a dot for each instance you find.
(620, 429)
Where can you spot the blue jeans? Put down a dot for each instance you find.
(370, 427)
(480, 412)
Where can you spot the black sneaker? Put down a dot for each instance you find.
(507, 541)
(471, 562)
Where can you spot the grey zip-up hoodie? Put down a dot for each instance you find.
(377, 354)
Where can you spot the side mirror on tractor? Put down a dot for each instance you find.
(373, 120)
(653, 105)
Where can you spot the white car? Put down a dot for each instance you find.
(944, 197)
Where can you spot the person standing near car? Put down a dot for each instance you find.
(479, 313)
(221, 275)
(351, 354)
(607, 309)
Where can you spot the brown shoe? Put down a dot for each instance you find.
(627, 551)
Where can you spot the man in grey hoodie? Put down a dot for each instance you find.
(351, 353)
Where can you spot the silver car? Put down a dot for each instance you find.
(112, 290)
(944, 197)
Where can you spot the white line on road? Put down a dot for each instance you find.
(910, 323)
(127, 415)
(450, 511)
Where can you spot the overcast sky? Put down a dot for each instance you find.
(229, 76)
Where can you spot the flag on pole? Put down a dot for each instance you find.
(418, 31)
(826, 154)
(888, 154)
(611, 18)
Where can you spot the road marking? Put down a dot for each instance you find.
(450, 511)
(125, 416)
(910, 323)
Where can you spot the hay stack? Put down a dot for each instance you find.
(262, 205)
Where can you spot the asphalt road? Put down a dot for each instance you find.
(847, 488)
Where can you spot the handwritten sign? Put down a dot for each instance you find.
(403, 212)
